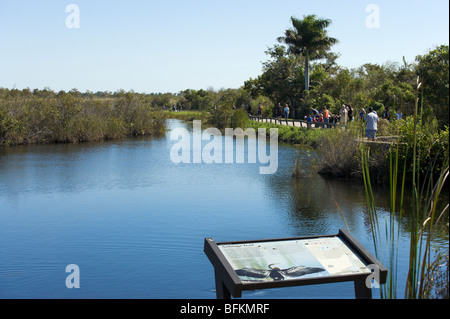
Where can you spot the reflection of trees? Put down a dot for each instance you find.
(314, 199)
(441, 232)
(309, 205)
(73, 168)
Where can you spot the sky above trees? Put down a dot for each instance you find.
(169, 46)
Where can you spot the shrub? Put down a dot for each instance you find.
(46, 117)
(294, 135)
(377, 106)
(188, 116)
(432, 145)
(386, 128)
(240, 119)
(11, 130)
(219, 117)
(339, 153)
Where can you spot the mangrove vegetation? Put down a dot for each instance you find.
(44, 116)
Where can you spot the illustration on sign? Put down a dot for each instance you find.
(278, 274)
(291, 260)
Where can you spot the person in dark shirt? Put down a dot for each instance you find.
(386, 114)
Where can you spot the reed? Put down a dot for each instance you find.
(426, 191)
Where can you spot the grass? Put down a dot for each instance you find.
(424, 209)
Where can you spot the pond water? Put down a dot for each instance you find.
(134, 222)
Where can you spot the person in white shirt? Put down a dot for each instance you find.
(372, 126)
(343, 113)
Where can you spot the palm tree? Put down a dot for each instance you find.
(308, 38)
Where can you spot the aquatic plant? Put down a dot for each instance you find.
(425, 208)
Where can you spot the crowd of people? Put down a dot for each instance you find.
(346, 115)
(324, 116)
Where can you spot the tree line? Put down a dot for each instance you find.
(289, 76)
(301, 70)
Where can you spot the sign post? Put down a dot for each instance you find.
(289, 262)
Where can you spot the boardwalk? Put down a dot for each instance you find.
(381, 140)
(293, 123)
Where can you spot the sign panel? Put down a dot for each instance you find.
(292, 260)
(289, 262)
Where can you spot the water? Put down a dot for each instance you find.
(135, 223)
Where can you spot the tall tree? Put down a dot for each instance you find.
(281, 80)
(309, 38)
(433, 69)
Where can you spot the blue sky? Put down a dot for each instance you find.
(172, 45)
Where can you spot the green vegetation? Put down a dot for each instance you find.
(390, 85)
(297, 135)
(240, 118)
(220, 117)
(289, 77)
(433, 69)
(339, 149)
(339, 153)
(426, 209)
(43, 116)
(305, 75)
(187, 116)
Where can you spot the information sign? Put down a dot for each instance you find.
(292, 262)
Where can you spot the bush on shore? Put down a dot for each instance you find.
(295, 135)
(339, 154)
(69, 117)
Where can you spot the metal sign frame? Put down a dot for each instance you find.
(228, 283)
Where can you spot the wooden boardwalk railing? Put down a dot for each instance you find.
(381, 140)
(293, 123)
